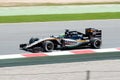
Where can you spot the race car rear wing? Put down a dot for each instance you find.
(93, 33)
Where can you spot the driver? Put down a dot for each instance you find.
(67, 33)
(73, 35)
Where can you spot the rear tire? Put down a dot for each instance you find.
(48, 46)
(96, 43)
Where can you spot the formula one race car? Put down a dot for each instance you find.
(69, 40)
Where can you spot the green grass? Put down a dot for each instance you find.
(58, 17)
(53, 4)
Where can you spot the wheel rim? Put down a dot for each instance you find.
(49, 46)
(97, 43)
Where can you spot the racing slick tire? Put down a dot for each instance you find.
(32, 40)
(48, 46)
(96, 43)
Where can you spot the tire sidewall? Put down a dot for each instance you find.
(46, 44)
(93, 43)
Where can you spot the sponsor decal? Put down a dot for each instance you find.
(70, 42)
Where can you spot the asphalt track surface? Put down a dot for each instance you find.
(11, 35)
(60, 67)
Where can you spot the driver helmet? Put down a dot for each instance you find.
(67, 31)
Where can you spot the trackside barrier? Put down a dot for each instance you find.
(59, 53)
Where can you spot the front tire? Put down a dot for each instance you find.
(48, 46)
